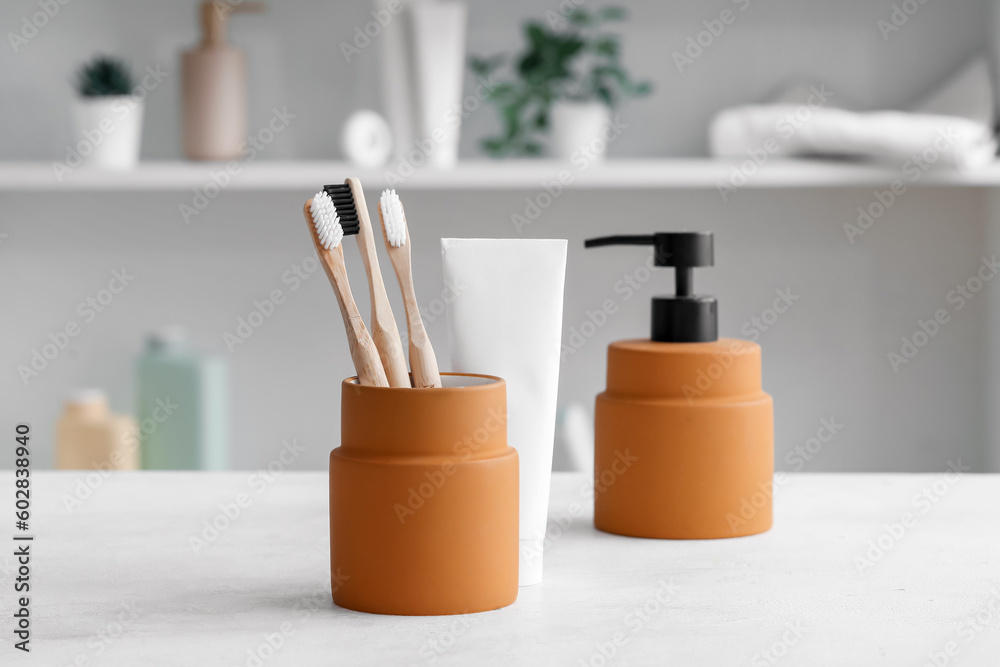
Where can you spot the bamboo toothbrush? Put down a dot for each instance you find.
(327, 233)
(349, 199)
(423, 363)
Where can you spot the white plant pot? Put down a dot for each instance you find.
(108, 131)
(578, 127)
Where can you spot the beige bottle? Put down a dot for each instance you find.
(214, 87)
(89, 436)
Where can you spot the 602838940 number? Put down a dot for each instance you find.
(22, 473)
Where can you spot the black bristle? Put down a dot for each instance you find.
(343, 201)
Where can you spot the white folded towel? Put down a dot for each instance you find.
(890, 136)
(964, 140)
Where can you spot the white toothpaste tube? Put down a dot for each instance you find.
(505, 319)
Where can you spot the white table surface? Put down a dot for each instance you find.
(115, 582)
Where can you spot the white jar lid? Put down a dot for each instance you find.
(87, 396)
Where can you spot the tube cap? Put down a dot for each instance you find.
(683, 317)
(168, 336)
(529, 565)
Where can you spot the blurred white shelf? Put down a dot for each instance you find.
(680, 173)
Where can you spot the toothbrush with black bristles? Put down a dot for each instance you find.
(349, 200)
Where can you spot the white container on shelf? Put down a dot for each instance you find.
(396, 65)
(108, 130)
(439, 46)
(577, 126)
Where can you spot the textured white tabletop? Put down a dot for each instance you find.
(858, 570)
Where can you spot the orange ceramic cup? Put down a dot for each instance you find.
(684, 441)
(424, 499)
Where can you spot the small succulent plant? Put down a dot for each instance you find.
(104, 76)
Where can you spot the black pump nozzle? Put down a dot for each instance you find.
(684, 317)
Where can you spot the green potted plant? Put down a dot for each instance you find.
(564, 84)
(108, 114)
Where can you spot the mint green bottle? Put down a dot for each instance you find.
(182, 404)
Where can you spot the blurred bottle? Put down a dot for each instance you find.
(89, 436)
(182, 404)
(214, 87)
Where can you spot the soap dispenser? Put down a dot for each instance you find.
(213, 87)
(684, 433)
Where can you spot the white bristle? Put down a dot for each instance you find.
(393, 218)
(326, 221)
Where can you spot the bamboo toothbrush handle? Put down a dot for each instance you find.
(423, 362)
(363, 352)
(384, 331)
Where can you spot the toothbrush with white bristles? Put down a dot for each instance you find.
(423, 363)
(326, 232)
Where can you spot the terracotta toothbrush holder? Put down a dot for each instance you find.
(424, 499)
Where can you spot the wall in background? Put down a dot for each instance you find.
(295, 61)
(824, 359)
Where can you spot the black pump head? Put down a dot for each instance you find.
(684, 317)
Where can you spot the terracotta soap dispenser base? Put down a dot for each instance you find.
(684, 441)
